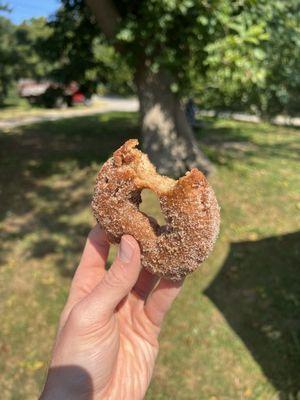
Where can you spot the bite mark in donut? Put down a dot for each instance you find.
(188, 204)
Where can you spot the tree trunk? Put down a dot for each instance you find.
(167, 137)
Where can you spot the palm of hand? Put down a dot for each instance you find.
(135, 344)
(110, 326)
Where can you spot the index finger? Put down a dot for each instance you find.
(91, 267)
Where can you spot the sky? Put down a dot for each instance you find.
(26, 9)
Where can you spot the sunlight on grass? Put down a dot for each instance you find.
(234, 331)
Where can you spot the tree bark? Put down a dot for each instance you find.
(106, 16)
(167, 137)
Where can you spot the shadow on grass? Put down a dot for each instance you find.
(38, 150)
(46, 179)
(258, 292)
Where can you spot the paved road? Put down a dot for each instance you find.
(100, 105)
(105, 104)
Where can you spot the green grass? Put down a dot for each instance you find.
(15, 107)
(234, 333)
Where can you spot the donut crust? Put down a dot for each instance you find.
(188, 204)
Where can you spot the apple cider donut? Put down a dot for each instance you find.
(189, 206)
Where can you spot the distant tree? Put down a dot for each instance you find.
(29, 35)
(4, 6)
(8, 56)
(19, 55)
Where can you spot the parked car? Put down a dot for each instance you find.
(52, 94)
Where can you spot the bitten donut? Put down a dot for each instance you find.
(188, 204)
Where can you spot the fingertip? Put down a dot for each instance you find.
(96, 249)
(134, 243)
(129, 250)
(98, 238)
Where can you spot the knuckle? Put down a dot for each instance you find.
(116, 276)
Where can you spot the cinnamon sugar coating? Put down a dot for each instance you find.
(189, 206)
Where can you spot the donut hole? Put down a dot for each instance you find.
(151, 207)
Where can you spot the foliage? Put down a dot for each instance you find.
(4, 7)
(19, 52)
(189, 37)
(256, 66)
(282, 89)
(8, 57)
(29, 35)
(79, 52)
(242, 54)
(175, 35)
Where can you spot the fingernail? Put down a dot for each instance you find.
(126, 250)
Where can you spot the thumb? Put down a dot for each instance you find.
(117, 281)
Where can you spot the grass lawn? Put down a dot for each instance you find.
(234, 333)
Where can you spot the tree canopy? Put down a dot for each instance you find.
(79, 52)
(241, 54)
(20, 53)
(8, 56)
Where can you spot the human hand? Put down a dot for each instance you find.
(107, 339)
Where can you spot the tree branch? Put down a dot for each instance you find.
(106, 15)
